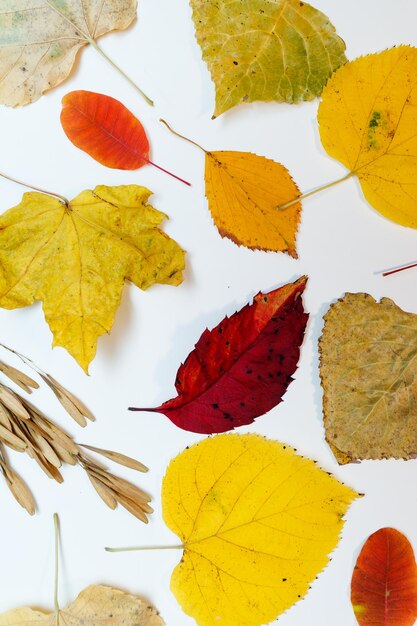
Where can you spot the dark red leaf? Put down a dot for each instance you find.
(241, 368)
(384, 582)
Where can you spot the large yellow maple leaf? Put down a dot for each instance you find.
(257, 523)
(75, 258)
(368, 122)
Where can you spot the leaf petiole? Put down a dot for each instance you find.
(303, 196)
(56, 531)
(62, 199)
(174, 132)
(144, 548)
(96, 47)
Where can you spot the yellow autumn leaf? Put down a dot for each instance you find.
(257, 523)
(368, 122)
(40, 40)
(283, 50)
(243, 190)
(75, 258)
(95, 605)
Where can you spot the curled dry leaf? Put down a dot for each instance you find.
(367, 121)
(283, 50)
(368, 369)
(76, 258)
(241, 369)
(40, 39)
(95, 605)
(247, 557)
(384, 582)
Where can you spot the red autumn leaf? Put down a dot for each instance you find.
(105, 129)
(241, 368)
(384, 582)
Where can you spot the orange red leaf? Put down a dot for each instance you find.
(384, 582)
(105, 129)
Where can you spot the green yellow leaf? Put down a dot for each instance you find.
(40, 39)
(95, 605)
(283, 50)
(368, 369)
(257, 523)
(243, 191)
(76, 258)
(368, 122)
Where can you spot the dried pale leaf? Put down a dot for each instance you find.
(40, 40)
(11, 439)
(368, 122)
(283, 50)
(257, 523)
(46, 449)
(243, 191)
(63, 453)
(106, 494)
(76, 258)
(20, 491)
(13, 402)
(95, 605)
(58, 434)
(368, 369)
(121, 459)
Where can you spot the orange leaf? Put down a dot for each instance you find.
(105, 129)
(384, 582)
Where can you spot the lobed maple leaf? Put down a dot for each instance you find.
(75, 258)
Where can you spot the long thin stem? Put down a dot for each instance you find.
(49, 193)
(170, 173)
(143, 548)
(399, 269)
(303, 196)
(174, 132)
(95, 45)
(56, 528)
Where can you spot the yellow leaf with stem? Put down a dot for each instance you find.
(257, 523)
(368, 121)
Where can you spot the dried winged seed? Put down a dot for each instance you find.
(63, 454)
(46, 450)
(13, 402)
(25, 382)
(5, 417)
(119, 485)
(21, 491)
(76, 401)
(121, 459)
(12, 440)
(133, 508)
(105, 493)
(56, 433)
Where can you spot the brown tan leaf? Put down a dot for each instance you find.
(368, 368)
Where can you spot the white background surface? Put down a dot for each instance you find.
(342, 242)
